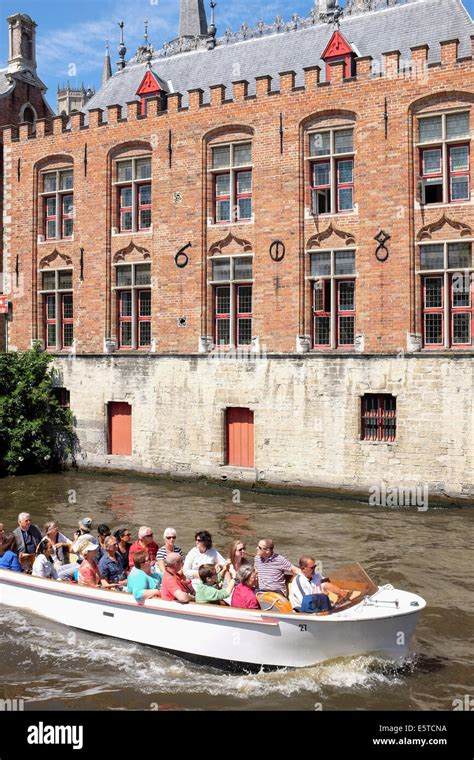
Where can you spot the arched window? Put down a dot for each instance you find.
(132, 178)
(330, 146)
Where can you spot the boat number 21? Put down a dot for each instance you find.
(303, 627)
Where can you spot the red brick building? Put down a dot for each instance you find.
(21, 101)
(252, 256)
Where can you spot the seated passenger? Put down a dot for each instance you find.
(27, 538)
(103, 532)
(311, 582)
(9, 554)
(208, 590)
(88, 570)
(61, 544)
(144, 543)
(237, 559)
(174, 586)
(244, 592)
(143, 582)
(43, 566)
(168, 547)
(202, 554)
(272, 568)
(123, 537)
(111, 565)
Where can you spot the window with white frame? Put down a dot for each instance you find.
(57, 201)
(133, 189)
(231, 168)
(447, 275)
(333, 299)
(331, 153)
(444, 148)
(232, 279)
(58, 309)
(133, 294)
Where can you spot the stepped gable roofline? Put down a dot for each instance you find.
(401, 27)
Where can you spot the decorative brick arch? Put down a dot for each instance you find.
(316, 240)
(46, 261)
(219, 245)
(132, 251)
(426, 232)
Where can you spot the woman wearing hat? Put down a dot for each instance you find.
(88, 571)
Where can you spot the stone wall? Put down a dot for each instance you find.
(307, 417)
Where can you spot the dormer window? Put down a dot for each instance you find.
(149, 88)
(338, 49)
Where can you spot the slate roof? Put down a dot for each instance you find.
(372, 33)
(5, 84)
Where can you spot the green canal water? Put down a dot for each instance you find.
(427, 552)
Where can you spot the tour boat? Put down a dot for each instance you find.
(375, 620)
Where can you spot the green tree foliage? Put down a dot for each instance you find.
(36, 432)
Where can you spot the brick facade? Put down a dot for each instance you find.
(383, 111)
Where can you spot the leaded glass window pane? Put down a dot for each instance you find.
(321, 264)
(322, 331)
(320, 144)
(345, 262)
(124, 171)
(462, 328)
(124, 276)
(143, 168)
(244, 337)
(431, 257)
(221, 269)
(243, 268)
(48, 281)
(223, 184)
(433, 292)
(142, 274)
(457, 125)
(459, 255)
(66, 180)
(321, 174)
(65, 280)
(344, 198)
(144, 334)
(459, 188)
(434, 329)
(242, 154)
(431, 129)
(344, 141)
(346, 331)
(49, 182)
(221, 157)
(459, 158)
(346, 296)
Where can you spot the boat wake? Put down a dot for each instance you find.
(97, 665)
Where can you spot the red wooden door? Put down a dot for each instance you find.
(240, 437)
(120, 428)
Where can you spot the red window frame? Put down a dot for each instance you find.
(342, 185)
(66, 320)
(50, 218)
(142, 319)
(325, 312)
(344, 313)
(315, 187)
(433, 309)
(240, 196)
(50, 298)
(143, 206)
(124, 319)
(461, 309)
(219, 197)
(378, 408)
(461, 173)
(221, 316)
(124, 209)
(65, 216)
(240, 315)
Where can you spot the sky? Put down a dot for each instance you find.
(71, 34)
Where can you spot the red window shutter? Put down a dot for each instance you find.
(240, 437)
(120, 428)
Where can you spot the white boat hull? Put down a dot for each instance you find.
(248, 637)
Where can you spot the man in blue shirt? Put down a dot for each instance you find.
(111, 565)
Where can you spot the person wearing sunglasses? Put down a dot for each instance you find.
(272, 568)
(202, 554)
(144, 543)
(123, 537)
(238, 558)
(168, 547)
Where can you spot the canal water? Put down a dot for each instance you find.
(427, 552)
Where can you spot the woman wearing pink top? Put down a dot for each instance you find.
(244, 592)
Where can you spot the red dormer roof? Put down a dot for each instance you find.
(337, 46)
(149, 84)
